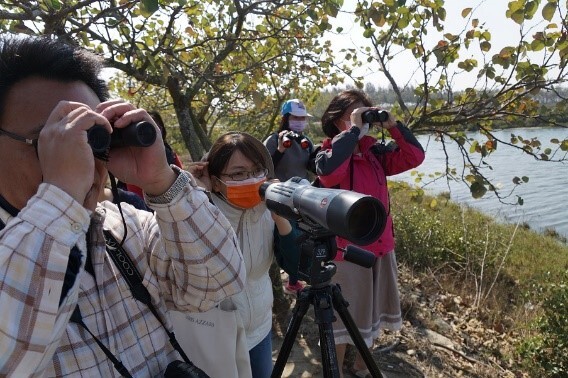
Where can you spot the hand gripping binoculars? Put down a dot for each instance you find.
(291, 136)
(374, 116)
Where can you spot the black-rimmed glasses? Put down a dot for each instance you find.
(29, 142)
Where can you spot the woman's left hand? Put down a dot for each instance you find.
(357, 121)
(282, 224)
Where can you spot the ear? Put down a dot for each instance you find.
(216, 185)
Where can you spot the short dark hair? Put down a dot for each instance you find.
(22, 57)
(224, 147)
(338, 105)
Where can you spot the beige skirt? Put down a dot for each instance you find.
(373, 297)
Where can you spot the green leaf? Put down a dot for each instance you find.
(368, 33)
(473, 147)
(537, 45)
(518, 16)
(477, 190)
(331, 9)
(148, 7)
(549, 10)
(530, 9)
(466, 12)
(53, 4)
(242, 81)
(312, 13)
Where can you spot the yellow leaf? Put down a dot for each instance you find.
(466, 12)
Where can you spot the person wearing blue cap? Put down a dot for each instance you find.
(290, 150)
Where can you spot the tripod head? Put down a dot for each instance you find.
(319, 248)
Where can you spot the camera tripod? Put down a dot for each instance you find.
(324, 296)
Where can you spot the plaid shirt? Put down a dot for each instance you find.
(186, 252)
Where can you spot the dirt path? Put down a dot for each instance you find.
(441, 337)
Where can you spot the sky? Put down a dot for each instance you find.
(504, 31)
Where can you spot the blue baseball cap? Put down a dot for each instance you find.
(294, 107)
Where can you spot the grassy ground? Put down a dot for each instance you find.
(505, 269)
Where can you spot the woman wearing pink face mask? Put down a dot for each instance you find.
(289, 148)
(235, 168)
(291, 153)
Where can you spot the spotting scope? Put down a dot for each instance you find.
(353, 216)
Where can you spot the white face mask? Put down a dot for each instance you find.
(297, 126)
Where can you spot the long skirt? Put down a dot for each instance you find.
(373, 297)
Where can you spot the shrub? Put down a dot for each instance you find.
(546, 354)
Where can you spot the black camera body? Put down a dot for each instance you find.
(293, 136)
(375, 116)
(137, 134)
(180, 369)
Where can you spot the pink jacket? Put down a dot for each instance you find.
(370, 170)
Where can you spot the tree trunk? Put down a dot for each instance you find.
(193, 136)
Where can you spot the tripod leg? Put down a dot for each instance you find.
(341, 307)
(300, 309)
(323, 308)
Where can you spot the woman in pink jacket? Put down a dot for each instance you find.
(350, 159)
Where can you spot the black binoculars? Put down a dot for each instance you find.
(137, 134)
(300, 139)
(374, 116)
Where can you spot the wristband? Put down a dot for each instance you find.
(176, 188)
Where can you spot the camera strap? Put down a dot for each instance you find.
(77, 318)
(134, 280)
(128, 270)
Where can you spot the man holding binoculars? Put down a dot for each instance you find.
(69, 309)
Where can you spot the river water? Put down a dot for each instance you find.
(545, 195)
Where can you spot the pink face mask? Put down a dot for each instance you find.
(297, 126)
